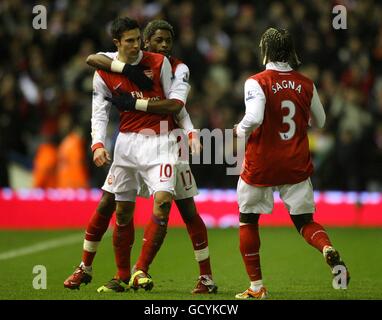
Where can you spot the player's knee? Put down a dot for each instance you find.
(124, 212)
(164, 206)
(301, 220)
(107, 205)
(162, 201)
(252, 218)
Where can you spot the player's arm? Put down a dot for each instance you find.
(107, 61)
(171, 105)
(254, 99)
(99, 121)
(101, 61)
(180, 88)
(317, 110)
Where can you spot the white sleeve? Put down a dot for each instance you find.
(100, 110)
(183, 119)
(317, 110)
(180, 87)
(254, 99)
(111, 55)
(165, 77)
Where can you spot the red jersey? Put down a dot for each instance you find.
(277, 152)
(135, 121)
(174, 63)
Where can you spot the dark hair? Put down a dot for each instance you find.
(120, 25)
(278, 45)
(154, 25)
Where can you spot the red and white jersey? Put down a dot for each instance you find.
(279, 104)
(105, 83)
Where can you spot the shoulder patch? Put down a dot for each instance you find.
(186, 77)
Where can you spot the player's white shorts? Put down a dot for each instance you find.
(137, 158)
(298, 198)
(185, 185)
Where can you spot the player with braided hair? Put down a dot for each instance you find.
(277, 45)
(280, 104)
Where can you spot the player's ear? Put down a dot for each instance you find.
(116, 42)
(146, 44)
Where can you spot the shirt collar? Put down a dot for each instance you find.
(278, 66)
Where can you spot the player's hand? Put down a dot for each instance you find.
(194, 143)
(135, 74)
(101, 157)
(123, 101)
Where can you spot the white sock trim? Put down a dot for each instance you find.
(91, 246)
(87, 269)
(141, 105)
(117, 66)
(202, 254)
(256, 285)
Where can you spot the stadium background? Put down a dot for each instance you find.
(45, 106)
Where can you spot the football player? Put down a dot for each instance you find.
(158, 38)
(279, 105)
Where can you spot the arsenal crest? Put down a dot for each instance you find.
(149, 73)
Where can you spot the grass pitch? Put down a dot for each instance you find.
(291, 268)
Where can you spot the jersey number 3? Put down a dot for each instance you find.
(288, 119)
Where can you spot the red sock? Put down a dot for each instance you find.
(123, 239)
(153, 237)
(249, 248)
(198, 234)
(315, 235)
(97, 227)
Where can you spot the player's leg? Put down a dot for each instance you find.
(252, 200)
(97, 227)
(185, 190)
(299, 200)
(153, 237)
(198, 234)
(124, 183)
(158, 156)
(95, 230)
(250, 252)
(123, 240)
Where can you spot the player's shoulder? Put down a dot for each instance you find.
(178, 65)
(152, 56)
(302, 77)
(258, 76)
(175, 61)
(273, 74)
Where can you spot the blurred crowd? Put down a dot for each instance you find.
(45, 84)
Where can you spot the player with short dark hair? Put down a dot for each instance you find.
(143, 147)
(158, 36)
(280, 104)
